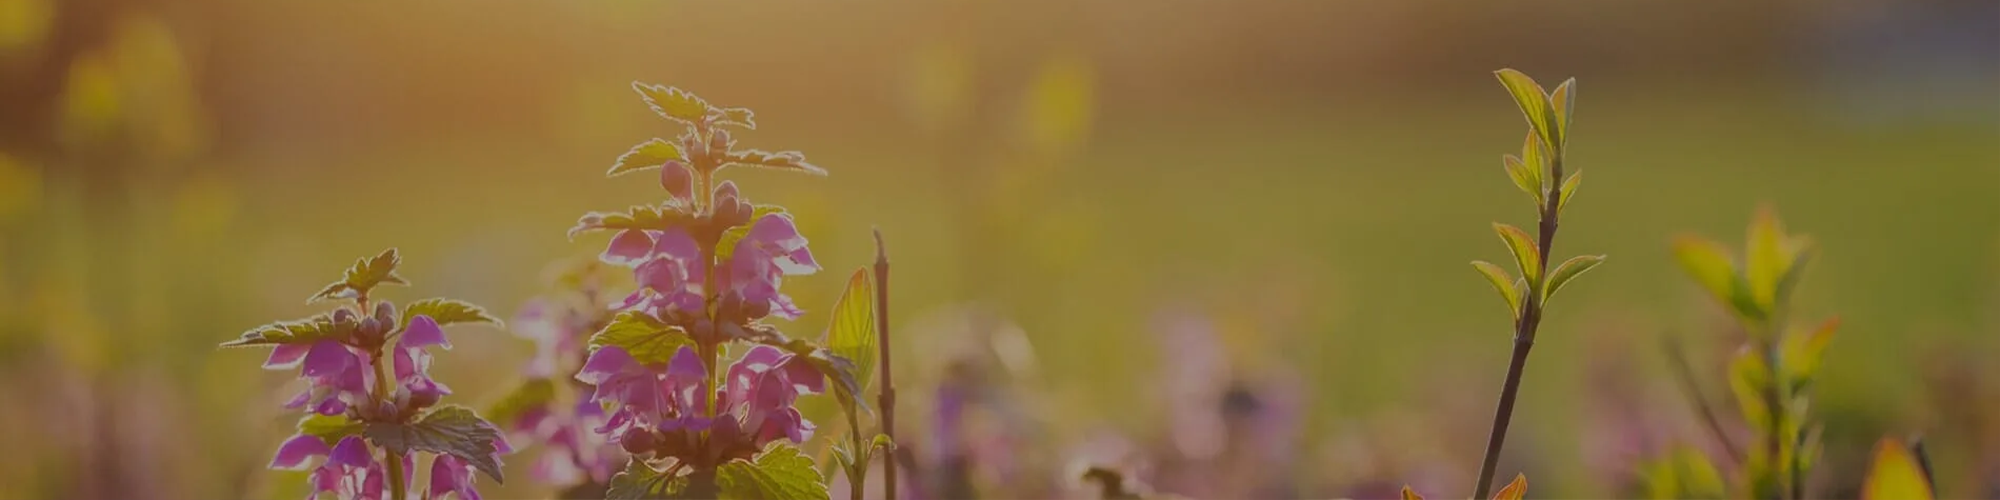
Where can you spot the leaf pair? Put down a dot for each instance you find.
(1548, 113)
(1514, 490)
(1772, 264)
(1531, 287)
(364, 275)
(680, 105)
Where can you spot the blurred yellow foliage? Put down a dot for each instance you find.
(20, 188)
(24, 23)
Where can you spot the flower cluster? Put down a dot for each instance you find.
(547, 409)
(368, 389)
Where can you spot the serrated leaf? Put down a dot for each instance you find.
(364, 275)
(447, 311)
(1526, 178)
(451, 430)
(644, 217)
(1563, 102)
(1766, 258)
(329, 428)
(1749, 375)
(1526, 253)
(779, 473)
(641, 482)
(725, 247)
(741, 117)
(672, 102)
(782, 160)
(530, 395)
(1514, 490)
(1803, 350)
(851, 334)
(289, 332)
(1534, 104)
(647, 155)
(1567, 190)
(646, 338)
(1896, 475)
(1501, 283)
(1708, 263)
(1567, 271)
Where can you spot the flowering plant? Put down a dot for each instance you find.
(372, 407)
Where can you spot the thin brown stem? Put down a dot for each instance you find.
(1684, 373)
(888, 394)
(1524, 332)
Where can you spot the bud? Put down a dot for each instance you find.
(371, 333)
(424, 399)
(638, 441)
(343, 317)
(719, 142)
(385, 313)
(677, 179)
(758, 309)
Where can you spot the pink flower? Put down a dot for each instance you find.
(645, 396)
(414, 386)
(450, 475)
(771, 250)
(667, 268)
(351, 472)
(336, 374)
(761, 389)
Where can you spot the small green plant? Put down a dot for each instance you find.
(1773, 372)
(1538, 172)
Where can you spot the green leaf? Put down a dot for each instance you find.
(292, 332)
(1708, 263)
(1536, 157)
(725, 247)
(1568, 189)
(1534, 103)
(530, 395)
(1569, 270)
(330, 429)
(1524, 177)
(1749, 375)
(452, 430)
(646, 338)
(1684, 474)
(1514, 490)
(364, 275)
(1767, 258)
(741, 117)
(1802, 251)
(1896, 474)
(783, 160)
(1526, 253)
(851, 335)
(1501, 283)
(780, 473)
(1802, 352)
(447, 311)
(1563, 102)
(657, 218)
(647, 155)
(641, 482)
(883, 442)
(672, 102)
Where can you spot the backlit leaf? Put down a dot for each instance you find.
(649, 217)
(1409, 494)
(447, 311)
(1563, 102)
(364, 275)
(1684, 474)
(672, 102)
(1749, 376)
(783, 160)
(1514, 490)
(1534, 103)
(1896, 475)
(1568, 189)
(741, 117)
(533, 394)
(647, 155)
(1766, 258)
(452, 430)
(779, 473)
(1526, 253)
(329, 428)
(290, 332)
(1501, 283)
(1569, 270)
(1803, 350)
(851, 335)
(646, 338)
(640, 482)
(1526, 178)
(1708, 263)
(1535, 156)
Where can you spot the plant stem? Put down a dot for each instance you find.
(1685, 374)
(888, 393)
(1774, 406)
(382, 395)
(1524, 330)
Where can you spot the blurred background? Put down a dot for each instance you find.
(1222, 245)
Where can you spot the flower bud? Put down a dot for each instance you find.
(677, 179)
(719, 142)
(385, 313)
(638, 441)
(371, 333)
(343, 317)
(757, 309)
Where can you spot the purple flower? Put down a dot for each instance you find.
(761, 389)
(352, 473)
(668, 271)
(296, 451)
(450, 475)
(771, 250)
(645, 396)
(337, 376)
(677, 180)
(412, 364)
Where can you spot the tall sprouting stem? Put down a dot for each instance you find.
(1539, 173)
(888, 394)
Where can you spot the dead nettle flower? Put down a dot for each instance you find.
(366, 369)
(708, 266)
(554, 412)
